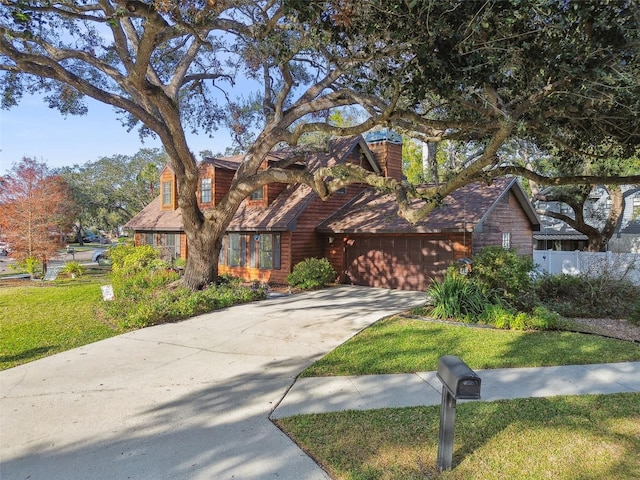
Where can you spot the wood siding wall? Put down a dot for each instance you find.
(221, 183)
(506, 217)
(389, 157)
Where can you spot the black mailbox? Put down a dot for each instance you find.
(456, 376)
(459, 382)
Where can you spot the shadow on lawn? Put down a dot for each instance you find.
(546, 435)
(25, 356)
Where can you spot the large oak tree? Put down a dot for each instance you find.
(272, 73)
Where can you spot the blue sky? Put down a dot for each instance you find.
(32, 129)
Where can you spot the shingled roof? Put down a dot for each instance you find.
(280, 215)
(152, 217)
(462, 210)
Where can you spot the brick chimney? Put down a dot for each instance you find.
(386, 146)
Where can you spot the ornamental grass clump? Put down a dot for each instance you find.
(459, 297)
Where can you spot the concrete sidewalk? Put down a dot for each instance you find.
(330, 394)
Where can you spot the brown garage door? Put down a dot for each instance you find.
(403, 263)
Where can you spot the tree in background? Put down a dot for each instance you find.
(273, 70)
(597, 208)
(37, 212)
(111, 190)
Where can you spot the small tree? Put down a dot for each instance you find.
(36, 211)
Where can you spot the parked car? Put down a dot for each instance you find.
(100, 255)
(91, 238)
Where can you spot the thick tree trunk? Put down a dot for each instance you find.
(202, 262)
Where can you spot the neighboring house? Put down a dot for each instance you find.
(555, 234)
(356, 229)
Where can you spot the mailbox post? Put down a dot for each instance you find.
(458, 382)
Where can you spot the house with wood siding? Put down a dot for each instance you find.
(357, 229)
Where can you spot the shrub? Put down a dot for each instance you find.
(591, 297)
(459, 297)
(73, 269)
(159, 304)
(311, 273)
(501, 317)
(129, 259)
(506, 273)
(634, 316)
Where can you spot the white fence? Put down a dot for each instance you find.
(617, 265)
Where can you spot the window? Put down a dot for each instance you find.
(150, 238)
(506, 241)
(257, 194)
(236, 250)
(264, 250)
(166, 193)
(270, 251)
(205, 190)
(171, 245)
(636, 206)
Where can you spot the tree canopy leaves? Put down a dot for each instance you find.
(562, 74)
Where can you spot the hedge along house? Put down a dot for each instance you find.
(357, 229)
(273, 229)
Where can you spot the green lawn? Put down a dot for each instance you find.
(41, 319)
(400, 345)
(589, 437)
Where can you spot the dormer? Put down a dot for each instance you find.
(168, 189)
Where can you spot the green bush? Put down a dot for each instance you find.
(159, 304)
(129, 259)
(501, 317)
(634, 316)
(460, 297)
(311, 273)
(590, 297)
(144, 294)
(73, 269)
(506, 273)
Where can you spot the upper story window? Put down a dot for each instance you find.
(166, 193)
(257, 194)
(506, 240)
(205, 190)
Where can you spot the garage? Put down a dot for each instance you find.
(398, 262)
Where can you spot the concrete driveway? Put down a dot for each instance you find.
(188, 400)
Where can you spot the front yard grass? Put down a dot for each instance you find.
(591, 437)
(400, 345)
(579, 437)
(37, 320)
